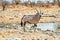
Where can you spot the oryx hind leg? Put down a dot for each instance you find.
(24, 27)
(35, 26)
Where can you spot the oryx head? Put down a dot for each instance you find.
(39, 13)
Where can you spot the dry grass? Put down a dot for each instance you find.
(14, 13)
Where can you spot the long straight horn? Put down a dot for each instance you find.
(40, 11)
(37, 11)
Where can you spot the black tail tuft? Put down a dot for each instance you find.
(21, 23)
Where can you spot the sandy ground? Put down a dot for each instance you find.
(6, 34)
(13, 14)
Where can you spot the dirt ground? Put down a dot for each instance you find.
(7, 34)
(13, 14)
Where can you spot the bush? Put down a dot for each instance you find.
(16, 1)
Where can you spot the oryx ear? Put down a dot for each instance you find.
(41, 12)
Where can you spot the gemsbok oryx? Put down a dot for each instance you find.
(31, 19)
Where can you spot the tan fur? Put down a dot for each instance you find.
(32, 19)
